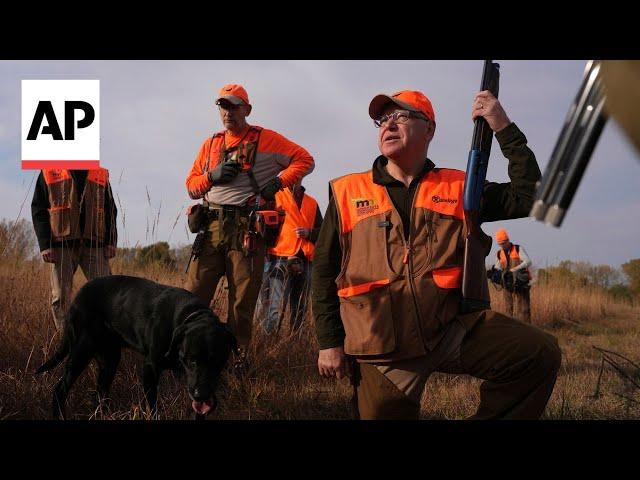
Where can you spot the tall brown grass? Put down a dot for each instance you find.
(282, 381)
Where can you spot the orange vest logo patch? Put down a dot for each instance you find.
(438, 199)
(364, 206)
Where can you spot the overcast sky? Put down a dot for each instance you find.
(155, 115)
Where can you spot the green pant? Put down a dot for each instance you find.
(222, 254)
(522, 301)
(518, 362)
(93, 265)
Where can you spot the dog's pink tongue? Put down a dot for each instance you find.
(201, 408)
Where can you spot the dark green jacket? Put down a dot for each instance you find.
(501, 201)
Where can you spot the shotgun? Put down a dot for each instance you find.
(475, 290)
(198, 244)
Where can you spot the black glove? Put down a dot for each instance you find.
(270, 190)
(224, 173)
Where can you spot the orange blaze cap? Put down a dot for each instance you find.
(235, 94)
(502, 236)
(407, 99)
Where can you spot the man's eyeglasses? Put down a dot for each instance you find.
(227, 105)
(399, 116)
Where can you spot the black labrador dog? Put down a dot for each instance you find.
(170, 326)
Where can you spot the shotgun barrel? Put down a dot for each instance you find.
(570, 157)
(478, 160)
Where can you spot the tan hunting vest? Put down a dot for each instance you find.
(64, 205)
(395, 295)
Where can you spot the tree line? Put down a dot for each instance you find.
(622, 283)
(18, 243)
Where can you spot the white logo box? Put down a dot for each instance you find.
(81, 152)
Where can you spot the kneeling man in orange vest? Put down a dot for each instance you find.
(388, 266)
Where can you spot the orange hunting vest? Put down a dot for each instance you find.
(397, 296)
(65, 206)
(514, 258)
(305, 216)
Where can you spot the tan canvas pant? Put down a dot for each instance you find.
(222, 255)
(522, 302)
(93, 265)
(518, 362)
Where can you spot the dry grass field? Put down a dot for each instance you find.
(283, 383)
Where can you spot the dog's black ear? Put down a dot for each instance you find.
(176, 339)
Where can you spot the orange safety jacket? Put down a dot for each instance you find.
(397, 295)
(268, 153)
(65, 206)
(288, 244)
(513, 260)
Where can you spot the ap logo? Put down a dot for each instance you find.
(60, 124)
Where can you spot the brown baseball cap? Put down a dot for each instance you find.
(233, 93)
(412, 100)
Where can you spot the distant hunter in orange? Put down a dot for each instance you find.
(513, 258)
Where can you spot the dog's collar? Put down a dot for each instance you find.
(193, 314)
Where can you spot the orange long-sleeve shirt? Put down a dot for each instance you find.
(276, 155)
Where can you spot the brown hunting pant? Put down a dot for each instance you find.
(222, 254)
(519, 364)
(93, 265)
(522, 301)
